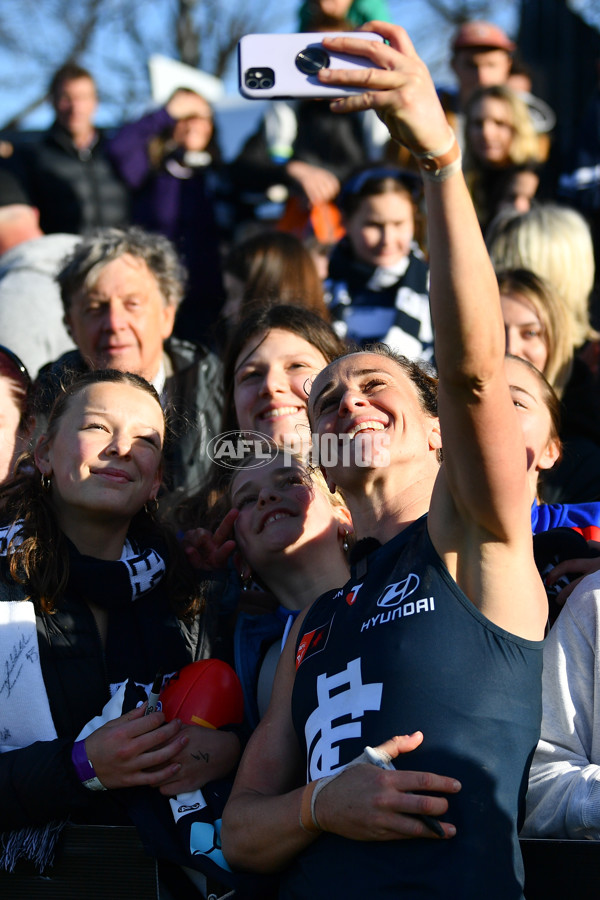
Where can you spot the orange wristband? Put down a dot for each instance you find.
(308, 822)
(438, 165)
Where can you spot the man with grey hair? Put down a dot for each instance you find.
(120, 291)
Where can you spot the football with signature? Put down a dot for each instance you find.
(207, 692)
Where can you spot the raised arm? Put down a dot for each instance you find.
(481, 497)
(469, 341)
(129, 147)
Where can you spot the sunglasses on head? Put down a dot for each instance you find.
(16, 364)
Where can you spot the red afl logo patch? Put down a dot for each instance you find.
(312, 642)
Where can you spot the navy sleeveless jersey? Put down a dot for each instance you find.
(402, 649)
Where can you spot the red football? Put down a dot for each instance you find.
(207, 692)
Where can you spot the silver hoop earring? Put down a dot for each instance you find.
(46, 483)
(151, 506)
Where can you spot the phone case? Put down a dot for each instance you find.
(267, 65)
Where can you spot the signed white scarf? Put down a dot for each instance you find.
(25, 718)
(26, 713)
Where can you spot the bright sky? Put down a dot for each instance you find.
(21, 81)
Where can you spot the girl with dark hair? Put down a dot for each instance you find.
(272, 267)
(256, 349)
(271, 358)
(95, 598)
(378, 283)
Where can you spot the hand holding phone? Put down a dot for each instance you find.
(396, 84)
(285, 66)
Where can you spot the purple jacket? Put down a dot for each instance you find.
(177, 201)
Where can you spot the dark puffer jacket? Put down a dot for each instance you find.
(75, 190)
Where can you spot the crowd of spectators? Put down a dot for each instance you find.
(145, 301)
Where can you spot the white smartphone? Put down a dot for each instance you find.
(286, 65)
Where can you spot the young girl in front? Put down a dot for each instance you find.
(378, 282)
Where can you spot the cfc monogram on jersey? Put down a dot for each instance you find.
(342, 701)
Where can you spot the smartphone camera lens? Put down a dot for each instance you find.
(259, 79)
(311, 59)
